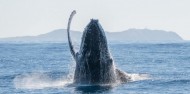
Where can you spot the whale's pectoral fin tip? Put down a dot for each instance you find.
(74, 12)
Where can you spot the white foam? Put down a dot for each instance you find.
(38, 81)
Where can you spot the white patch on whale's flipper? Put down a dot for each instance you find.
(126, 77)
(138, 77)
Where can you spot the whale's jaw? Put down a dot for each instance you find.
(94, 64)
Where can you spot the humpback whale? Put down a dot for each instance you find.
(94, 63)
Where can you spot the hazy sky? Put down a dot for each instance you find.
(33, 17)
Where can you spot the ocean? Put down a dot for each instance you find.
(48, 68)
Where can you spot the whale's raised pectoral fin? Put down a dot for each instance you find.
(69, 38)
(122, 76)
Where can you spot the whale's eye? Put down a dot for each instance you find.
(110, 61)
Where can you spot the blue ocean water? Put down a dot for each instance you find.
(45, 68)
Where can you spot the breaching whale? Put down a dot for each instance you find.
(94, 63)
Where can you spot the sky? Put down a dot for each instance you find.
(34, 17)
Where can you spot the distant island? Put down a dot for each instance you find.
(131, 35)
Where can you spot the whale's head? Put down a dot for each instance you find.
(94, 40)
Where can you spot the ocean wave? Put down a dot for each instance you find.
(180, 81)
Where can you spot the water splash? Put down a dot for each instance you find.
(39, 81)
(42, 80)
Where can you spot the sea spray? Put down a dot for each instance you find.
(39, 81)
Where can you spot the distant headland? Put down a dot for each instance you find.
(130, 35)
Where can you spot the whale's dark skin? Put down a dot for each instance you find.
(94, 63)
